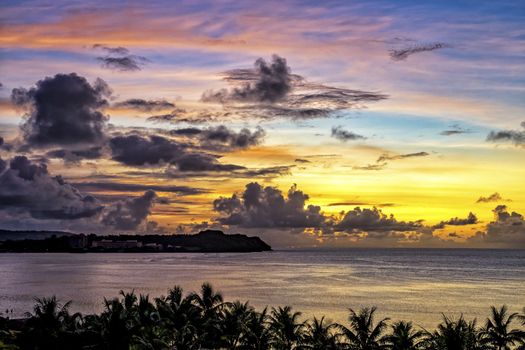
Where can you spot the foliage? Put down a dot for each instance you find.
(205, 321)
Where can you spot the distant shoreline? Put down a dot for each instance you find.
(208, 241)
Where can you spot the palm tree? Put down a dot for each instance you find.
(498, 332)
(321, 335)
(455, 335)
(257, 334)
(50, 326)
(363, 334)
(404, 337)
(287, 331)
(180, 317)
(233, 323)
(120, 321)
(209, 304)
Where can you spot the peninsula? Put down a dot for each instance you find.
(204, 241)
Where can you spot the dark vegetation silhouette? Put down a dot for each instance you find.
(204, 320)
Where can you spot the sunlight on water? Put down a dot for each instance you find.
(407, 284)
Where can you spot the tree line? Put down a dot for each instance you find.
(205, 321)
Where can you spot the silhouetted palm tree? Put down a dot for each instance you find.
(50, 326)
(287, 331)
(404, 337)
(257, 334)
(233, 323)
(209, 303)
(498, 330)
(456, 335)
(363, 334)
(321, 335)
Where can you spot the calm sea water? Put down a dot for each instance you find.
(416, 284)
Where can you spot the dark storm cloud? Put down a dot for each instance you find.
(386, 157)
(186, 131)
(63, 110)
(507, 229)
(402, 54)
(469, 220)
(502, 215)
(515, 136)
(268, 82)
(128, 214)
(203, 162)
(344, 135)
(144, 105)
(267, 207)
(495, 197)
(28, 188)
(270, 90)
(221, 138)
(137, 150)
(132, 187)
(153, 150)
(372, 220)
(76, 155)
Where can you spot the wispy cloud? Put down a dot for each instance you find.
(403, 53)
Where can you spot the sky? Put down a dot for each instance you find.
(310, 124)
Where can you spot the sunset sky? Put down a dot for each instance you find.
(330, 124)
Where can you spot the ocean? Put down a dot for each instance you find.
(410, 284)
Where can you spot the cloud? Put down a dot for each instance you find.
(119, 50)
(301, 160)
(73, 156)
(267, 82)
(374, 167)
(507, 230)
(181, 115)
(267, 207)
(154, 150)
(266, 172)
(120, 59)
(356, 203)
(270, 90)
(495, 197)
(386, 157)
(202, 162)
(137, 150)
(144, 105)
(128, 214)
(455, 129)
(63, 110)
(515, 136)
(221, 138)
(402, 54)
(26, 187)
(229, 171)
(128, 63)
(343, 135)
(133, 187)
(471, 219)
(372, 220)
